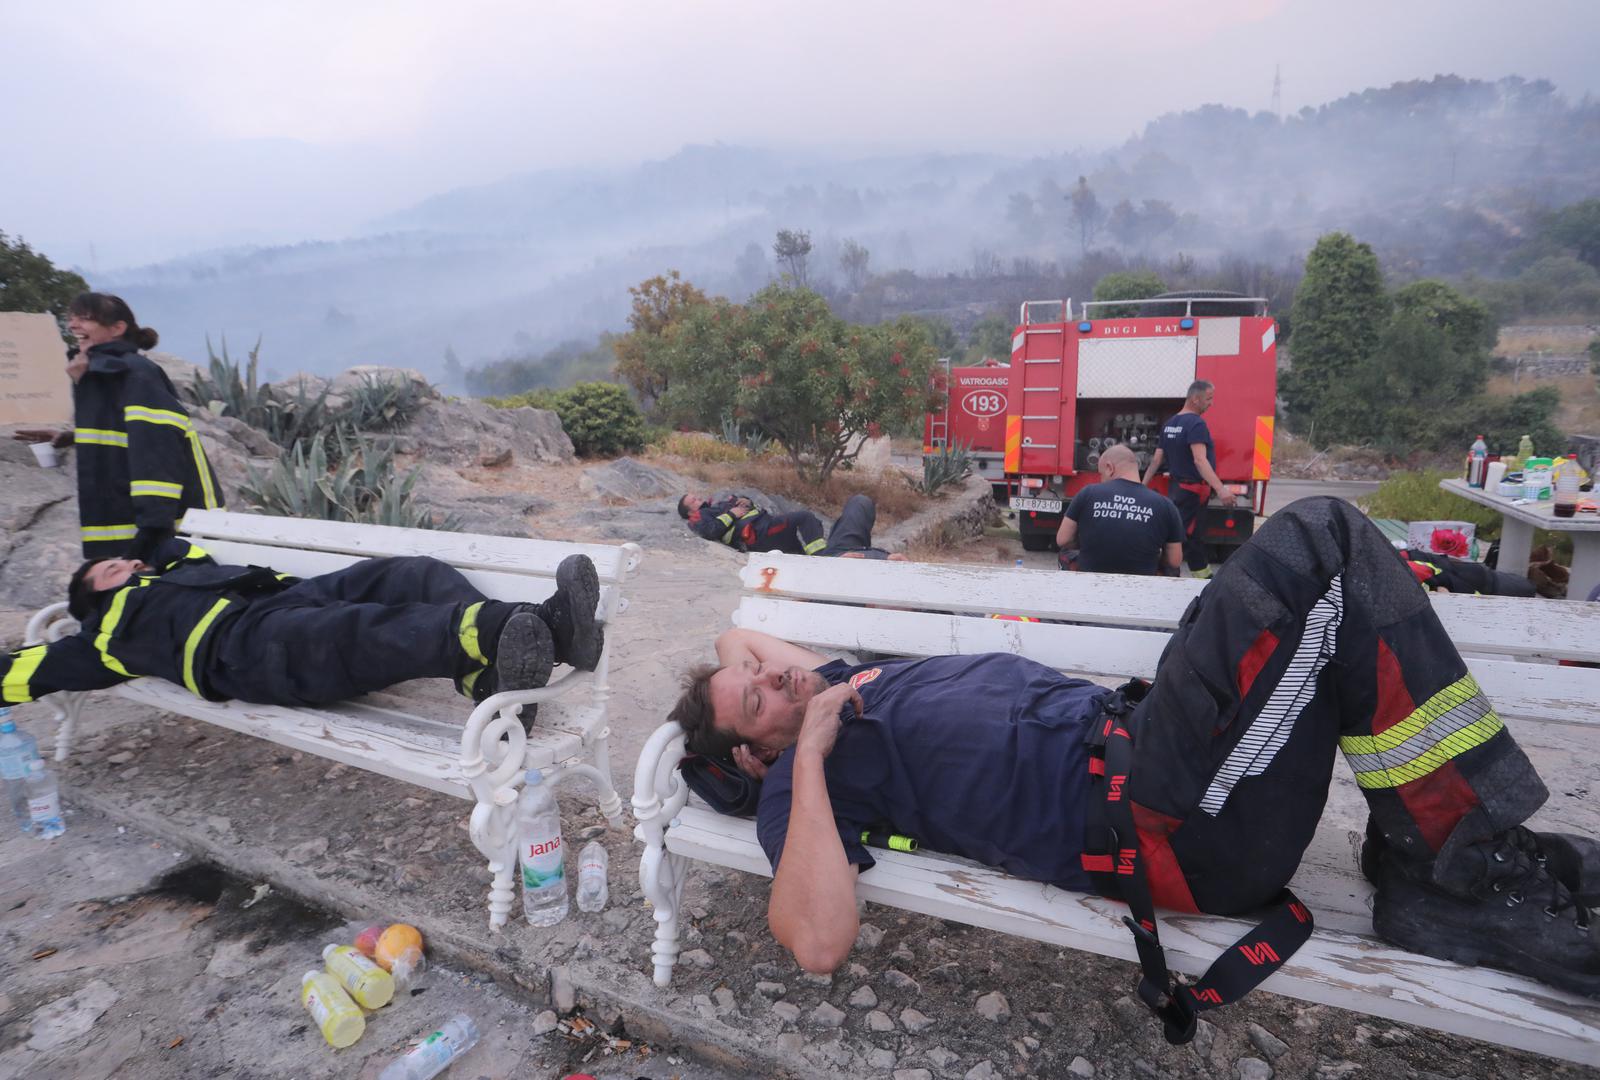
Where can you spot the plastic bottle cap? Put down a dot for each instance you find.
(327, 951)
(308, 976)
(533, 776)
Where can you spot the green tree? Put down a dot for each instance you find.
(853, 260)
(1127, 285)
(1339, 312)
(813, 382)
(1087, 213)
(1577, 227)
(990, 337)
(659, 305)
(941, 335)
(31, 282)
(1467, 324)
(792, 249)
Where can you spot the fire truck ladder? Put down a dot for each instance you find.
(939, 427)
(1039, 317)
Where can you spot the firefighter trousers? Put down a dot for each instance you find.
(360, 629)
(852, 531)
(798, 532)
(1191, 499)
(1313, 636)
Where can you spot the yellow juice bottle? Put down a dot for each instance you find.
(369, 984)
(336, 1015)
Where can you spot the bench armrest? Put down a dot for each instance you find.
(659, 791)
(49, 624)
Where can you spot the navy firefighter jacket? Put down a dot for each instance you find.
(980, 756)
(163, 623)
(140, 463)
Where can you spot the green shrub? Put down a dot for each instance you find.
(751, 438)
(353, 480)
(949, 465)
(383, 403)
(227, 391)
(600, 418)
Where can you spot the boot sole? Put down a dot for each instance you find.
(524, 655)
(577, 578)
(1429, 937)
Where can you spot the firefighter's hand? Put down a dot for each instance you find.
(820, 727)
(1228, 498)
(752, 762)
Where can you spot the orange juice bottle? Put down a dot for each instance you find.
(369, 984)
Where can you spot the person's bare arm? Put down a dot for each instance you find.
(812, 911)
(1202, 463)
(1174, 558)
(1155, 466)
(736, 646)
(1067, 532)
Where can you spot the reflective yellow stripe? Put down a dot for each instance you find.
(1451, 722)
(727, 519)
(193, 643)
(469, 681)
(24, 662)
(100, 437)
(203, 467)
(159, 488)
(155, 416)
(468, 633)
(816, 546)
(102, 640)
(110, 532)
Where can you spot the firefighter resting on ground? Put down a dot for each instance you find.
(743, 526)
(1191, 460)
(249, 633)
(140, 463)
(1313, 636)
(1119, 526)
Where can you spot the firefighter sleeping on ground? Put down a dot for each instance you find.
(744, 526)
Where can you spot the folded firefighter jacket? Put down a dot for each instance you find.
(140, 463)
(161, 623)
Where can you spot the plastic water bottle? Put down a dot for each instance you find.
(44, 801)
(592, 865)
(336, 1016)
(369, 984)
(435, 1053)
(17, 749)
(539, 849)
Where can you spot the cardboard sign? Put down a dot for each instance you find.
(34, 388)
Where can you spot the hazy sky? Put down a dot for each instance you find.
(154, 127)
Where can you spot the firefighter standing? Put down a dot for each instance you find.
(140, 463)
(1191, 459)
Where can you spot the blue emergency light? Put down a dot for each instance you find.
(1186, 324)
(1085, 326)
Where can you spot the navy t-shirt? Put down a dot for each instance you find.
(1122, 527)
(1178, 435)
(979, 756)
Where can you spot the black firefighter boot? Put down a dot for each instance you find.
(1573, 859)
(523, 657)
(1497, 902)
(569, 614)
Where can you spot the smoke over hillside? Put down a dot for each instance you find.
(1442, 176)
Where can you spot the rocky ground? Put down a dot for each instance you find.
(920, 998)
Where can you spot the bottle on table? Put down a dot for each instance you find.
(336, 1016)
(1477, 459)
(540, 851)
(1567, 487)
(1525, 448)
(592, 865)
(44, 802)
(435, 1053)
(17, 749)
(366, 982)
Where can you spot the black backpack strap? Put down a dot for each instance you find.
(1119, 871)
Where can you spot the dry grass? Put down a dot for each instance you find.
(1580, 398)
(699, 447)
(945, 546)
(892, 490)
(1562, 340)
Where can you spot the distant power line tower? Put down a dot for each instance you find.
(1277, 91)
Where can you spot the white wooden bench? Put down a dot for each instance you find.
(484, 760)
(872, 607)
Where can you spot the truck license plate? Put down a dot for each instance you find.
(1048, 506)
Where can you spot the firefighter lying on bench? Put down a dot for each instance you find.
(743, 526)
(249, 633)
(1314, 635)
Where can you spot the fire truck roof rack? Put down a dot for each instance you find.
(1045, 311)
(1195, 302)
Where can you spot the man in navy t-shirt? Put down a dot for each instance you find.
(1121, 526)
(1191, 457)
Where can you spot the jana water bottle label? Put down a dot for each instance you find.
(45, 807)
(542, 863)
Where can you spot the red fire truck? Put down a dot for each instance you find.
(1076, 386)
